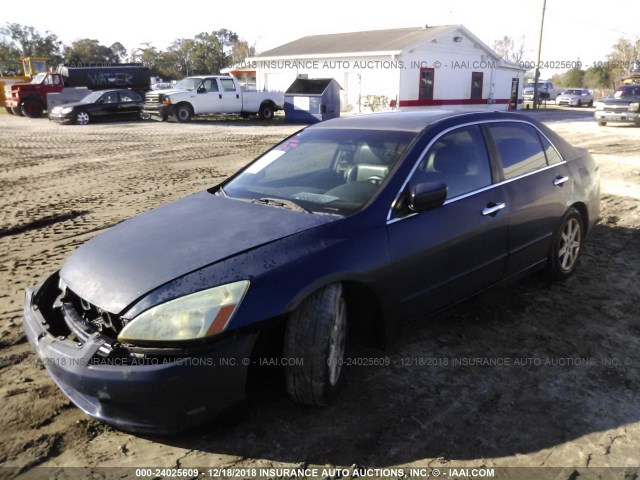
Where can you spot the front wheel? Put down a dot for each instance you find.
(579, 104)
(566, 246)
(32, 108)
(315, 339)
(266, 111)
(590, 104)
(602, 124)
(183, 113)
(9, 111)
(16, 111)
(82, 118)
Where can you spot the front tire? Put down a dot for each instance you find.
(579, 104)
(183, 113)
(315, 337)
(32, 108)
(9, 111)
(16, 111)
(566, 246)
(82, 118)
(590, 104)
(602, 124)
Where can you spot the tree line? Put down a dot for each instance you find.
(607, 74)
(204, 53)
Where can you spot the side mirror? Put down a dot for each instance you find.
(426, 196)
(201, 89)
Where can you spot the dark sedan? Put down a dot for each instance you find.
(101, 105)
(368, 221)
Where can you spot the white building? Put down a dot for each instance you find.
(411, 67)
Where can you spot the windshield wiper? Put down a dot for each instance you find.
(281, 203)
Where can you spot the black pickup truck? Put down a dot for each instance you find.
(622, 107)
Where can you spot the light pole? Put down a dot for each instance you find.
(537, 74)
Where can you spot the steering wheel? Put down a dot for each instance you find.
(375, 179)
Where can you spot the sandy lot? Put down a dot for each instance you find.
(572, 401)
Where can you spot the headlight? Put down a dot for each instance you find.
(66, 110)
(599, 106)
(634, 107)
(166, 100)
(199, 315)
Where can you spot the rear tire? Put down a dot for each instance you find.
(266, 111)
(566, 246)
(315, 336)
(32, 108)
(183, 113)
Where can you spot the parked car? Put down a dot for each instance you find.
(622, 107)
(365, 221)
(575, 97)
(100, 105)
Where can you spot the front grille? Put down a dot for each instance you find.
(617, 108)
(152, 99)
(105, 322)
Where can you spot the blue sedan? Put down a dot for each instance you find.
(360, 222)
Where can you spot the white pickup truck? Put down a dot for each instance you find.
(546, 91)
(209, 95)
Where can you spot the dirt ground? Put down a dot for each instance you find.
(570, 401)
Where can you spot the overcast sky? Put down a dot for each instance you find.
(573, 30)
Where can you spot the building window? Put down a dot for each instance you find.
(426, 84)
(476, 85)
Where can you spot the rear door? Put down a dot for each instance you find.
(109, 103)
(446, 254)
(537, 184)
(130, 104)
(231, 95)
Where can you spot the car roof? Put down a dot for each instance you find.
(411, 121)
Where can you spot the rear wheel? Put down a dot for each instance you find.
(266, 111)
(566, 246)
(32, 108)
(82, 118)
(315, 339)
(183, 113)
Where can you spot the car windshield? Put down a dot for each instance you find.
(533, 84)
(38, 78)
(625, 92)
(322, 170)
(188, 83)
(92, 97)
(573, 92)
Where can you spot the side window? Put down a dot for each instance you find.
(111, 97)
(551, 153)
(426, 84)
(228, 85)
(459, 159)
(129, 97)
(210, 85)
(519, 147)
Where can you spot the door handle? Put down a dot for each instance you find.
(488, 210)
(220, 96)
(559, 180)
(237, 95)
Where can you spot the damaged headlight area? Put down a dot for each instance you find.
(198, 315)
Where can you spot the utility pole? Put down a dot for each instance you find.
(537, 74)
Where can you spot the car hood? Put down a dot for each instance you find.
(620, 101)
(129, 260)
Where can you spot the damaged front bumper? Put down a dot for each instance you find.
(161, 392)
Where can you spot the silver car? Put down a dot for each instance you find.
(575, 97)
